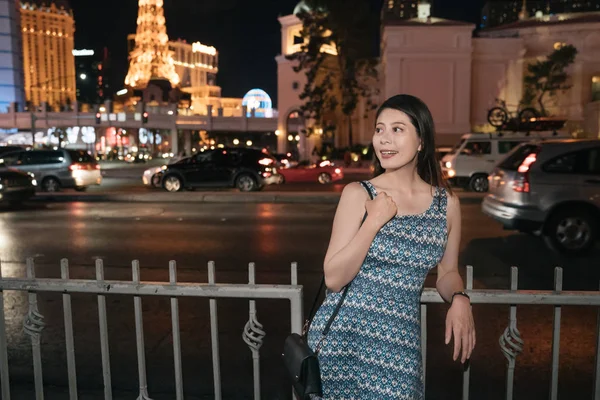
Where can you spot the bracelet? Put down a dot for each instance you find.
(464, 294)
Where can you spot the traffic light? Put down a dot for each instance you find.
(145, 117)
(98, 115)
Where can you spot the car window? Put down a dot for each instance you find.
(41, 157)
(565, 164)
(81, 156)
(10, 159)
(517, 156)
(205, 156)
(477, 148)
(580, 162)
(506, 146)
(591, 163)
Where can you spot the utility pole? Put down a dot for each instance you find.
(33, 117)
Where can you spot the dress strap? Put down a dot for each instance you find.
(365, 184)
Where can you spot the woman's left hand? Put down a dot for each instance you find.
(459, 322)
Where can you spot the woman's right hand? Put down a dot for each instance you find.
(381, 209)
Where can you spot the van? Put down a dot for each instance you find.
(474, 157)
(56, 169)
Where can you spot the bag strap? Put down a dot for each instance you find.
(312, 313)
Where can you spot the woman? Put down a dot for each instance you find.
(384, 248)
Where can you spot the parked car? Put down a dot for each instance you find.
(324, 172)
(550, 188)
(152, 176)
(16, 186)
(11, 148)
(56, 169)
(471, 161)
(247, 169)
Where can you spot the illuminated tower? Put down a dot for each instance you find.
(151, 58)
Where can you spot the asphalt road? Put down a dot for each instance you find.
(272, 235)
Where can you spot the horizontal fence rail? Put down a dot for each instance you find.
(510, 342)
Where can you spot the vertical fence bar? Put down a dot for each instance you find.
(558, 283)
(33, 326)
(294, 273)
(4, 377)
(597, 366)
(511, 343)
(68, 316)
(296, 306)
(139, 332)
(103, 334)
(424, 342)
(467, 370)
(253, 335)
(214, 335)
(176, 333)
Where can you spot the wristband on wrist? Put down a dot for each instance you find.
(460, 293)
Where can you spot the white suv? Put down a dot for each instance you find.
(551, 188)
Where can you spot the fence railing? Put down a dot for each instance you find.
(510, 341)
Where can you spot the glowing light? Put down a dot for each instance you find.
(249, 143)
(236, 141)
(151, 56)
(83, 76)
(198, 47)
(81, 53)
(259, 101)
(122, 92)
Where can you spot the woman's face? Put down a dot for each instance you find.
(395, 141)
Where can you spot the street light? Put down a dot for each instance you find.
(83, 77)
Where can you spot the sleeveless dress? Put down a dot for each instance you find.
(373, 350)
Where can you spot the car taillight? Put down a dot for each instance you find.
(76, 167)
(521, 182)
(338, 171)
(265, 161)
(97, 166)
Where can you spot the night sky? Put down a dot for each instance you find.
(245, 32)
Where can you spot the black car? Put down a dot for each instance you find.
(15, 186)
(247, 169)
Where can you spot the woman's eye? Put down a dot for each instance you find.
(378, 130)
(397, 130)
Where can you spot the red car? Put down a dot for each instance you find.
(323, 173)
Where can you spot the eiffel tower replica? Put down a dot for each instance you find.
(151, 61)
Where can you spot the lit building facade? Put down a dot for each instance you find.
(48, 63)
(400, 9)
(197, 66)
(498, 12)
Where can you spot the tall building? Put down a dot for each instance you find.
(151, 58)
(498, 12)
(92, 76)
(48, 61)
(11, 72)
(400, 9)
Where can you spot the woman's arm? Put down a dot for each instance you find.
(449, 280)
(349, 241)
(459, 320)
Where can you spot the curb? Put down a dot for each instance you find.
(276, 198)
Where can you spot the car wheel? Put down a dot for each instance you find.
(155, 181)
(245, 183)
(479, 183)
(172, 183)
(324, 178)
(571, 231)
(50, 185)
(81, 188)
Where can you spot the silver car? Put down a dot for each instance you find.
(549, 188)
(56, 169)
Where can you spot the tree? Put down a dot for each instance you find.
(336, 81)
(548, 76)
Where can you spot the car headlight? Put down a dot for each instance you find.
(34, 182)
(1, 186)
(448, 164)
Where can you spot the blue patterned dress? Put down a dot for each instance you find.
(373, 350)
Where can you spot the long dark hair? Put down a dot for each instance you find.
(428, 167)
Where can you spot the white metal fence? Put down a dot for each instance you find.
(510, 341)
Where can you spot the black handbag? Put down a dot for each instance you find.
(301, 362)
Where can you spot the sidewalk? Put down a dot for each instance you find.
(215, 197)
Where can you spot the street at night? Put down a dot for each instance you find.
(272, 236)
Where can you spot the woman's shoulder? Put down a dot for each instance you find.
(355, 190)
